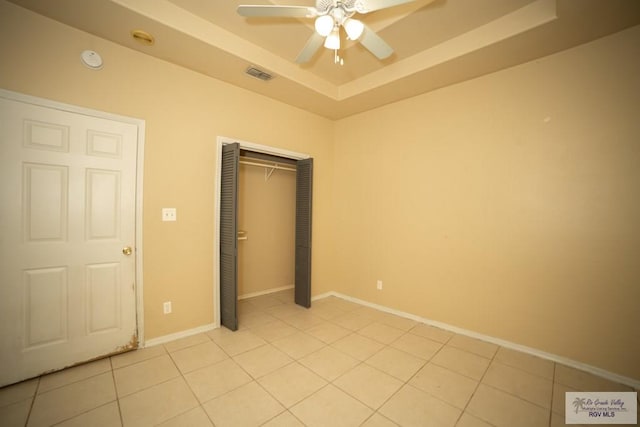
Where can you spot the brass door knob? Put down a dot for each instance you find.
(127, 250)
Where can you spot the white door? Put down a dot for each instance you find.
(67, 217)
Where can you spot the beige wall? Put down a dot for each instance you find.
(184, 112)
(266, 211)
(508, 205)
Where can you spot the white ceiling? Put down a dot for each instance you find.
(436, 42)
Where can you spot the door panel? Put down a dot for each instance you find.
(45, 305)
(44, 209)
(102, 210)
(67, 192)
(229, 236)
(304, 197)
(103, 297)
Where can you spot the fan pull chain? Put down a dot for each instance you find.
(336, 58)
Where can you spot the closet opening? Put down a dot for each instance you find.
(266, 224)
(263, 226)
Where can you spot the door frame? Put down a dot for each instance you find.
(244, 145)
(140, 123)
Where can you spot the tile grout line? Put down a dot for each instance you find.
(199, 404)
(76, 380)
(560, 360)
(329, 321)
(180, 375)
(269, 393)
(115, 389)
(68, 384)
(360, 362)
(118, 397)
(429, 360)
(477, 386)
(33, 401)
(139, 361)
(405, 383)
(491, 360)
(501, 362)
(509, 393)
(293, 361)
(479, 381)
(553, 381)
(329, 382)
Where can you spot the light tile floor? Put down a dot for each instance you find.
(336, 364)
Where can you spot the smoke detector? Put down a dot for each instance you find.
(91, 59)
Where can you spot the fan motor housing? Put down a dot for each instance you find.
(325, 5)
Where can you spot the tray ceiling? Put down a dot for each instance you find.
(436, 42)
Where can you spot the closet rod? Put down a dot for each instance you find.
(268, 166)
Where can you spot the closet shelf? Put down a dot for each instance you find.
(269, 168)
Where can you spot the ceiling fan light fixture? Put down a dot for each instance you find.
(353, 28)
(324, 25)
(329, 16)
(333, 40)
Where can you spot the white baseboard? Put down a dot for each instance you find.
(503, 343)
(328, 294)
(177, 335)
(266, 292)
(204, 328)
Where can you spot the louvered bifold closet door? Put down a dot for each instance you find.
(228, 236)
(304, 185)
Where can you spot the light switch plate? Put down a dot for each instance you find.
(169, 214)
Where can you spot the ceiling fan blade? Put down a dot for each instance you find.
(277, 11)
(366, 6)
(312, 46)
(375, 44)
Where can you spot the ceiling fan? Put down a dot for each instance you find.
(329, 16)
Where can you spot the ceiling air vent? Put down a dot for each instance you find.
(259, 74)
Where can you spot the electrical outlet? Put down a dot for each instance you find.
(169, 214)
(379, 285)
(166, 307)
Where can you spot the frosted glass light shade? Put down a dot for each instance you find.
(324, 25)
(354, 28)
(333, 40)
